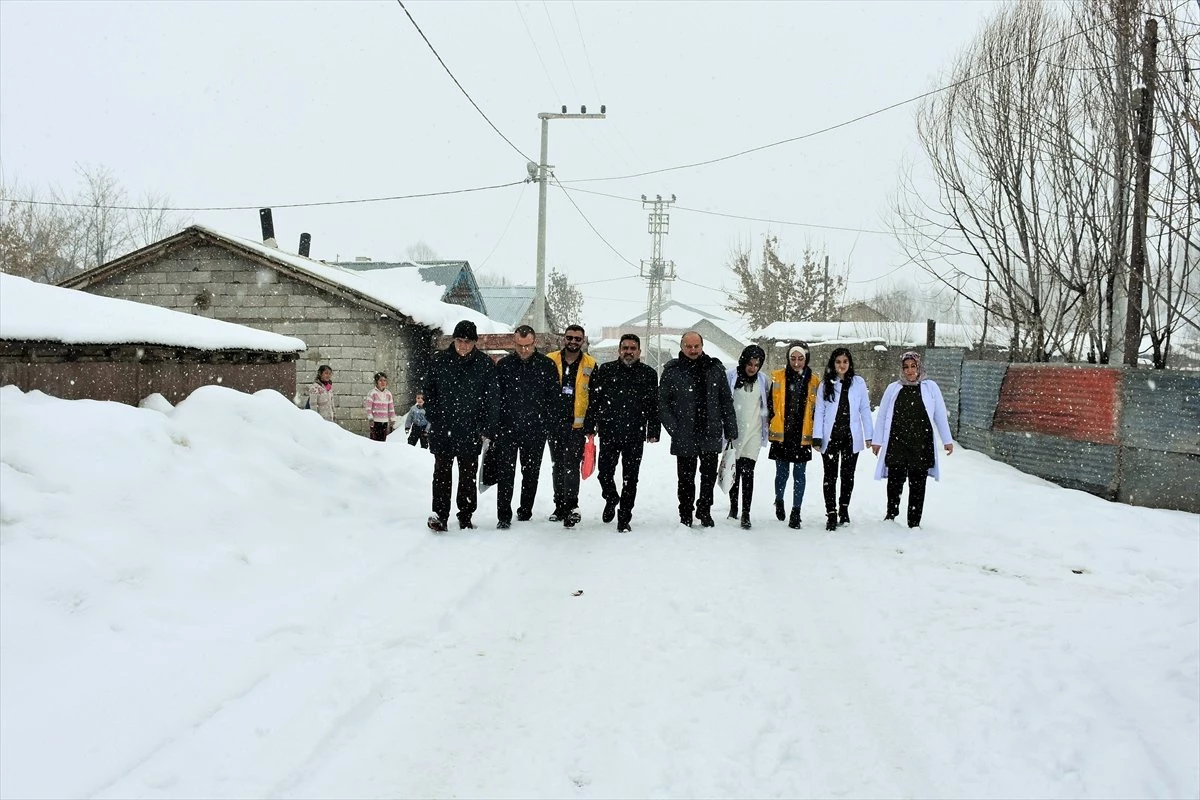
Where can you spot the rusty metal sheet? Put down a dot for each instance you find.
(1076, 402)
(943, 365)
(1161, 411)
(1158, 479)
(1087, 466)
(979, 393)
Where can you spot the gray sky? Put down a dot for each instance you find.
(269, 103)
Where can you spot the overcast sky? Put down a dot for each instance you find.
(271, 103)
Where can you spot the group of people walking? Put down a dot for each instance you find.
(528, 399)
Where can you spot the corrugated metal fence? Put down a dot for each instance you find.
(1127, 435)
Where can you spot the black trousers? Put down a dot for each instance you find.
(630, 456)
(379, 431)
(467, 498)
(566, 451)
(685, 470)
(916, 477)
(743, 485)
(419, 434)
(830, 461)
(529, 446)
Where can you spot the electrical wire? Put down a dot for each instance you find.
(536, 50)
(269, 205)
(846, 123)
(459, 85)
(593, 227)
(734, 216)
(507, 225)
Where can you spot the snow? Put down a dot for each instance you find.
(897, 334)
(234, 598)
(402, 289)
(32, 311)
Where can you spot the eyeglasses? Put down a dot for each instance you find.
(573, 338)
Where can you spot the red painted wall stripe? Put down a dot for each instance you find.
(1080, 403)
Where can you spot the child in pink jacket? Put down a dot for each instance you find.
(381, 411)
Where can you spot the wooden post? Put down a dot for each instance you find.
(930, 333)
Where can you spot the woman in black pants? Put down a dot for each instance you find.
(841, 429)
(910, 410)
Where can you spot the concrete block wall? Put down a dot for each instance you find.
(355, 341)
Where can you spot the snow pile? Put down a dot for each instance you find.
(234, 598)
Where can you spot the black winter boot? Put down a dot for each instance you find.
(779, 509)
(843, 516)
(733, 502)
(831, 521)
(794, 520)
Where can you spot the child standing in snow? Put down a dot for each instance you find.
(415, 423)
(381, 412)
(320, 394)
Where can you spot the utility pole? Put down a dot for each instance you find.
(541, 173)
(825, 316)
(655, 272)
(1141, 195)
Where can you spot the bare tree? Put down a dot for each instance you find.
(419, 251)
(33, 236)
(1030, 151)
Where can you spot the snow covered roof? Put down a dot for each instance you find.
(900, 334)
(401, 292)
(508, 304)
(37, 312)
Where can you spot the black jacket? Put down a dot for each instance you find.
(460, 401)
(528, 394)
(679, 405)
(623, 403)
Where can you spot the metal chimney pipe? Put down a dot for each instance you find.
(268, 227)
(305, 243)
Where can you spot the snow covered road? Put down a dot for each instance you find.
(242, 601)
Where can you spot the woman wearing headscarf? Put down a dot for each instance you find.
(793, 398)
(911, 409)
(841, 428)
(752, 406)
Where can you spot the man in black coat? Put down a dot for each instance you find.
(696, 408)
(623, 408)
(529, 390)
(460, 404)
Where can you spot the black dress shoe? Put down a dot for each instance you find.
(610, 511)
(705, 518)
(523, 515)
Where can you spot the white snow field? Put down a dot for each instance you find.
(233, 599)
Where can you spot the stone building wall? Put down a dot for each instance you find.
(356, 342)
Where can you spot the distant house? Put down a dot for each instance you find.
(513, 305)
(455, 277)
(857, 312)
(358, 322)
(75, 345)
(723, 338)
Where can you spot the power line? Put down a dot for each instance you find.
(267, 205)
(593, 227)
(558, 44)
(844, 124)
(507, 225)
(536, 50)
(736, 216)
(459, 85)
